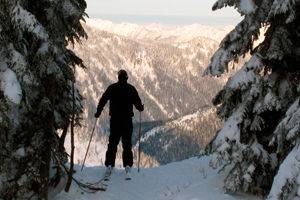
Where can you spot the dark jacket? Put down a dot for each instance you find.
(122, 97)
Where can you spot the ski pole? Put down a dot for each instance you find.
(89, 144)
(140, 133)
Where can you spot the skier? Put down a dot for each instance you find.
(122, 97)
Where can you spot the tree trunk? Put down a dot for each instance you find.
(48, 140)
(1, 144)
(72, 145)
(2, 136)
(46, 159)
(61, 147)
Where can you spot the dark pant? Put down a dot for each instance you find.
(120, 127)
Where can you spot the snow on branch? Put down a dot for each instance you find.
(287, 177)
(243, 6)
(10, 86)
(237, 43)
(228, 135)
(283, 7)
(19, 64)
(246, 7)
(269, 102)
(280, 43)
(70, 8)
(289, 127)
(219, 63)
(27, 22)
(248, 74)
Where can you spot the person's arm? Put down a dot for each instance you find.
(137, 101)
(103, 100)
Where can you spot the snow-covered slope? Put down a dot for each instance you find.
(186, 121)
(191, 179)
(159, 32)
(181, 138)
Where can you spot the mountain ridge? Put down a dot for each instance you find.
(159, 32)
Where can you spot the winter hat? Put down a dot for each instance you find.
(122, 75)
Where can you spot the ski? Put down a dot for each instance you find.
(128, 176)
(107, 175)
(128, 173)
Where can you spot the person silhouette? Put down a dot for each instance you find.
(122, 97)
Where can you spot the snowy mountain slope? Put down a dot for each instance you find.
(180, 138)
(159, 32)
(190, 179)
(167, 76)
(185, 121)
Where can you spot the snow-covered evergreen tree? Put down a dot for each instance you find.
(36, 77)
(260, 103)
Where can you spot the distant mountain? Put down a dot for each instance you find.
(167, 75)
(165, 65)
(161, 33)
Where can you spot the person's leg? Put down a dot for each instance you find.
(113, 142)
(127, 128)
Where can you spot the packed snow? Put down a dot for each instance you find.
(191, 179)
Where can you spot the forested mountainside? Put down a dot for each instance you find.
(167, 75)
(181, 138)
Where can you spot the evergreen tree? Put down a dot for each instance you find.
(36, 77)
(260, 103)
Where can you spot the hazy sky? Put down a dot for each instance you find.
(188, 9)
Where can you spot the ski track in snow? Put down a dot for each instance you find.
(176, 181)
